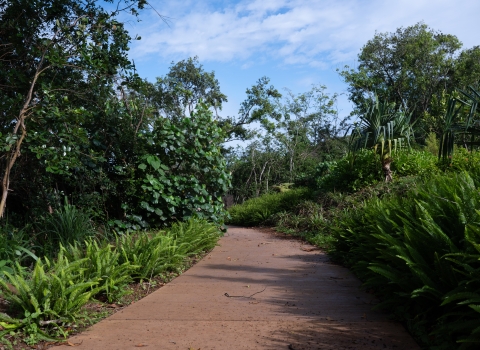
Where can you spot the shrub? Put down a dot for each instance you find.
(431, 144)
(63, 227)
(54, 290)
(415, 162)
(257, 210)
(461, 160)
(102, 264)
(160, 251)
(351, 173)
(15, 245)
(421, 255)
(306, 216)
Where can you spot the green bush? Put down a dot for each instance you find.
(461, 160)
(54, 290)
(257, 210)
(414, 162)
(351, 173)
(184, 174)
(15, 246)
(306, 216)
(421, 255)
(102, 264)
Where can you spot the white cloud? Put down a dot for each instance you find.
(319, 33)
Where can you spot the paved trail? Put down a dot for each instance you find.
(303, 302)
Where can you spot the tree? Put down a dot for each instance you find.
(257, 107)
(407, 67)
(50, 50)
(382, 128)
(178, 93)
(467, 68)
(299, 131)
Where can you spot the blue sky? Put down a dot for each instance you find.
(296, 43)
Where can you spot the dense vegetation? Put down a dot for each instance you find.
(108, 178)
(396, 200)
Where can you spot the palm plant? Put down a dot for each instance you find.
(461, 119)
(65, 226)
(381, 127)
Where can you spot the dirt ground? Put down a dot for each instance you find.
(256, 290)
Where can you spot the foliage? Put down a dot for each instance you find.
(257, 107)
(257, 210)
(158, 252)
(307, 216)
(415, 163)
(84, 122)
(15, 245)
(350, 173)
(185, 85)
(460, 124)
(300, 131)
(467, 68)
(420, 255)
(431, 143)
(407, 67)
(184, 175)
(52, 51)
(66, 226)
(102, 264)
(54, 291)
(461, 160)
(380, 126)
(384, 129)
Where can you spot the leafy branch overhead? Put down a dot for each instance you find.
(53, 47)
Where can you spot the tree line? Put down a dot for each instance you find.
(400, 90)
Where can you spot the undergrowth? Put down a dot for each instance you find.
(421, 255)
(415, 242)
(51, 295)
(257, 210)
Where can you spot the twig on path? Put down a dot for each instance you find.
(243, 296)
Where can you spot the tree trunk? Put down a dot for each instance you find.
(387, 172)
(15, 151)
(6, 178)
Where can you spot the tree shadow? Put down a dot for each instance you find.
(324, 297)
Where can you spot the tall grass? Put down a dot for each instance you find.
(157, 252)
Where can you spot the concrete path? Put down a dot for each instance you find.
(299, 300)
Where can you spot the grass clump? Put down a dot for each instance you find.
(102, 264)
(69, 225)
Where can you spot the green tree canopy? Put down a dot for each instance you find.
(177, 93)
(410, 66)
(56, 56)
